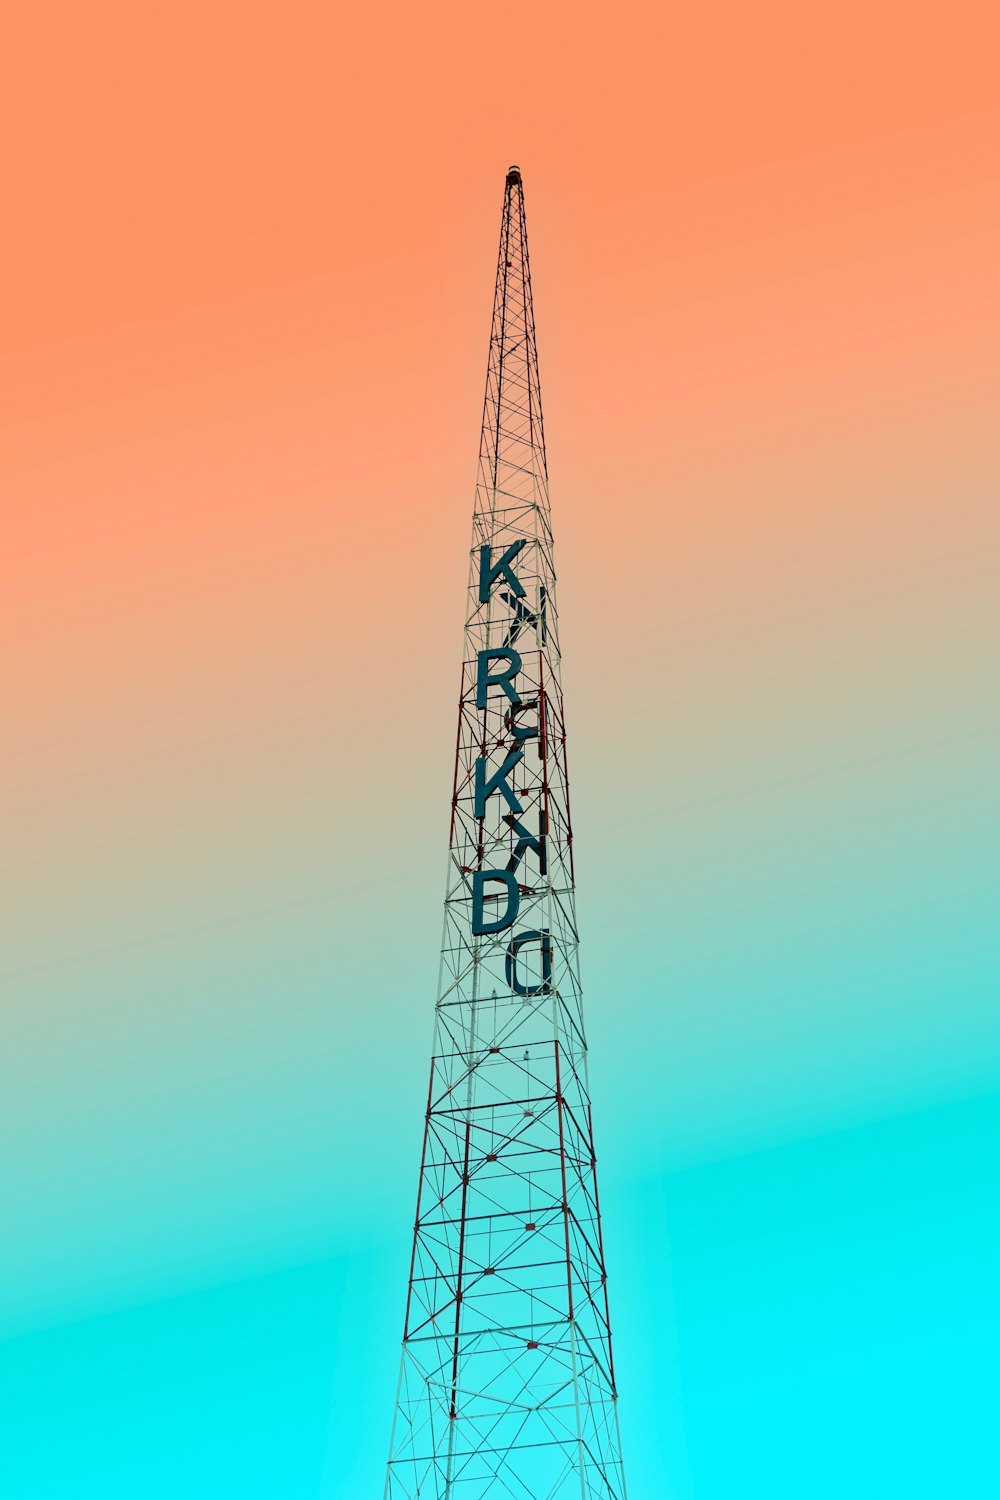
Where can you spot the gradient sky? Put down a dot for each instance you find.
(248, 269)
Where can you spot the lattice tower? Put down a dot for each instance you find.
(507, 1385)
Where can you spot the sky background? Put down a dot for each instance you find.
(247, 280)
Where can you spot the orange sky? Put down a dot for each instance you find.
(247, 256)
(245, 305)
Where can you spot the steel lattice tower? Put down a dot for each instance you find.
(507, 1386)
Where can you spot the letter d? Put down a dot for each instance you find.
(479, 878)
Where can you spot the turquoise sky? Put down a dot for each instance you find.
(819, 1318)
(243, 348)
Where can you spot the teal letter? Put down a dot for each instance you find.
(516, 944)
(479, 879)
(490, 572)
(526, 841)
(486, 679)
(520, 731)
(496, 783)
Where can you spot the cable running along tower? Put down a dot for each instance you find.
(507, 1385)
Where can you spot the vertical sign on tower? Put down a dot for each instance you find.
(507, 1383)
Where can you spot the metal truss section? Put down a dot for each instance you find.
(507, 1385)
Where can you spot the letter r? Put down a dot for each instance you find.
(485, 679)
